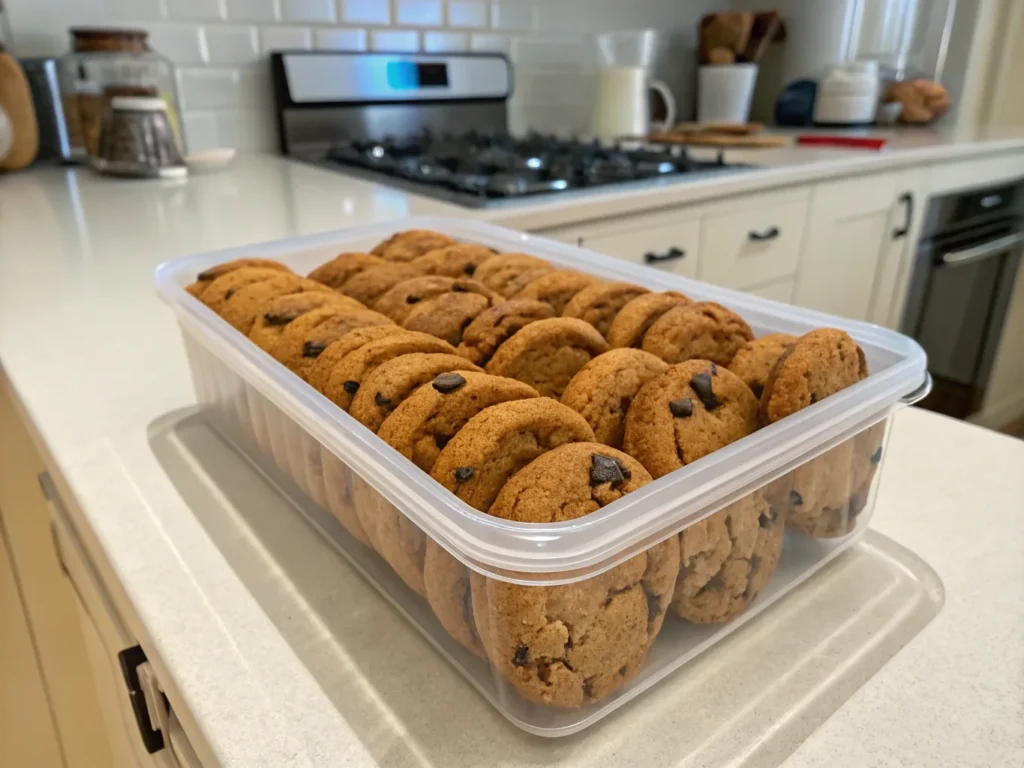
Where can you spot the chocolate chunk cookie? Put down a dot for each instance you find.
(343, 267)
(501, 440)
(459, 260)
(548, 353)
(726, 559)
(633, 320)
(383, 390)
(410, 244)
(348, 374)
(399, 301)
(515, 286)
(499, 272)
(207, 276)
(818, 364)
(557, 288)
(448, 591)
(224, 287)
(278, 313)
(699, 331)
(446, 316)
(340, 485)
(691, 410)
(755, 360)
(821, 492)
(603, 389)
(492, 327)
(599, 304)
(241, 309)
(370, 284)
(302, 341)
(574, 644)
(336, 351)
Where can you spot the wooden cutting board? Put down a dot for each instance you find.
(724, 140)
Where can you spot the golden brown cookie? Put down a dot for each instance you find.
(217, 293)
(347, 375)
(603, 389)
(691, 410)
(571, 645)
(207, 276)
(755, 360)
(523, 279)
(242, 307)
(599, 304)
(459, 260)
(343, 267)
(305, 338)
(370, 284)
(383, 390)
(446, 584)
(556, 288)
(320, 373)
(446, 316)
(410, 244)
(818, 364)
(400, 300)
(726, 559)
(820, 494)
(498, 272)
(699, 331)
(501, 440)
(340, 486)
(277, 313)
(633, 320)
(548, 353)
(492, 327)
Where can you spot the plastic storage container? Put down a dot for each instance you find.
(339, 473)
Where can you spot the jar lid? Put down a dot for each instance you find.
(97, 39)
(138, 103)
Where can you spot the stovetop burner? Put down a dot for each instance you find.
(477, 168)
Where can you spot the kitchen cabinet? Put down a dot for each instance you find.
(859, 234)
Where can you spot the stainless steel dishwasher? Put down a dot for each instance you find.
(960, 287)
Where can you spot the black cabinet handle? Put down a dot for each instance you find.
(656, 258)
(766, 234)
(907, 198)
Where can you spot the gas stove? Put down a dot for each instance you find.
(392, 118)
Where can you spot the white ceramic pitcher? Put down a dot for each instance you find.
(622, 107)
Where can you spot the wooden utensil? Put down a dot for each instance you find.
(765, 28)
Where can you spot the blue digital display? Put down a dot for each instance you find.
(410, 75)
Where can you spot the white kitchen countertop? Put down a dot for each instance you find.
(97, 365)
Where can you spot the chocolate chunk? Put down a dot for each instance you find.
(623, 671)
(413, 299)
(230, 292)
(714, 369)
(681, 409)
(814, 398)
(441, 441)
(588, 687)
(469, 269)
(766, 520)
(795, 499)
(281, 319)
(460, 288)
(701, 384)
(448, 382)
(653, 606)
(876, 456)
(521, 656)
(381, 401)
(351, 386)
(462, 474)
(313, 348)
(605, 469)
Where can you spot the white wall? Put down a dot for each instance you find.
(219, 47)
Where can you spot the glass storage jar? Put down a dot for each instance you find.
(105, 63)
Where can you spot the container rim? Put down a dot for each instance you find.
(578, 548)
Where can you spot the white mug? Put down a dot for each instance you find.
(724, 92)
(622, 107)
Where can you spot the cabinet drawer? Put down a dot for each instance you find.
(754, 246)
(781, 290)
(671, 247)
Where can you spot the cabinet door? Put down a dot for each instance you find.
(848, 232)
(897, 257)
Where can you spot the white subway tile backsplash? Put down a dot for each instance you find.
(247, 129)
(311, 11)
(231, 45)
(285, 38)
(132, 9)
(395, 40)
(200, 130)
(181, 43)
(550, 55)
(204, 88)
(490, 43)
(195, 9)
(365, 11)
(441, 42)
(419, 13)
(513, 15)
(340, 39)
(253, 10)
(467, 13)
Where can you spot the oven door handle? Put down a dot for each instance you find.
(983, 251)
